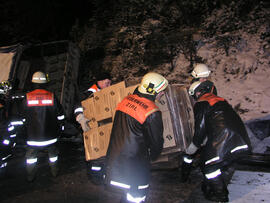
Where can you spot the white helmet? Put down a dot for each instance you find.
(201, 71)
(152, 83)
(202, 87)
(39, 77)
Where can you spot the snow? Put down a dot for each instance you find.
(249, 187)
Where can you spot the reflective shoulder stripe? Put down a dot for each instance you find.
(93, 88)
(78, 110)
(62, 117)
(137, 107)
(211, 98)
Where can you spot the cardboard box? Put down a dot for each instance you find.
(168, 135)
(101, 106)
(89, 112)
(96, 141)
(129, 90)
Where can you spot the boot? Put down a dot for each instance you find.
(215, 190)
(31, 172)
(185, 169)
(54, 169)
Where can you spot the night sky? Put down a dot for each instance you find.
(37, 20)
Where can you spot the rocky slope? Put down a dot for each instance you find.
(133, 37)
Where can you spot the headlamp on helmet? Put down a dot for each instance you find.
(152, 84)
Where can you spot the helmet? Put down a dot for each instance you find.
(5, 86)
(203, 87)
(152, 83)
(39, 77)
(200, 71)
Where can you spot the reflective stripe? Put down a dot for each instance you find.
(3, 165)
(122, 185)
(37, 78)
(13, 135)
(60, 117)
(4, 158)
(187, 160)
(63, 128)
(161, 85)
(46, 101)
(213, 174)
(32, 102)
(31, 161)
(16, 123)
(95, 168)
(53, 159)
(43, 143)
(78, 110)
(11, 128)
(16, 97)
(143, 186)
(6, 142)
(135, 199)
(212, 160)
(91, 90)
(239, 147)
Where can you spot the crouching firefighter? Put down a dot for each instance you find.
(43, 122)
(222, 137)
(136, 139)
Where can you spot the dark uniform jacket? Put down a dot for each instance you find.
(224, 129)
(136, 139)
(43, 114)
(84, 95)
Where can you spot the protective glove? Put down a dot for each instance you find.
(191, 149)
(83, 121)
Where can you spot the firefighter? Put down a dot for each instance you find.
(95, 168)
(221, 136)
(6, 139)
(201, 73)
(43, 119)
(136, 139)
(103, 80)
